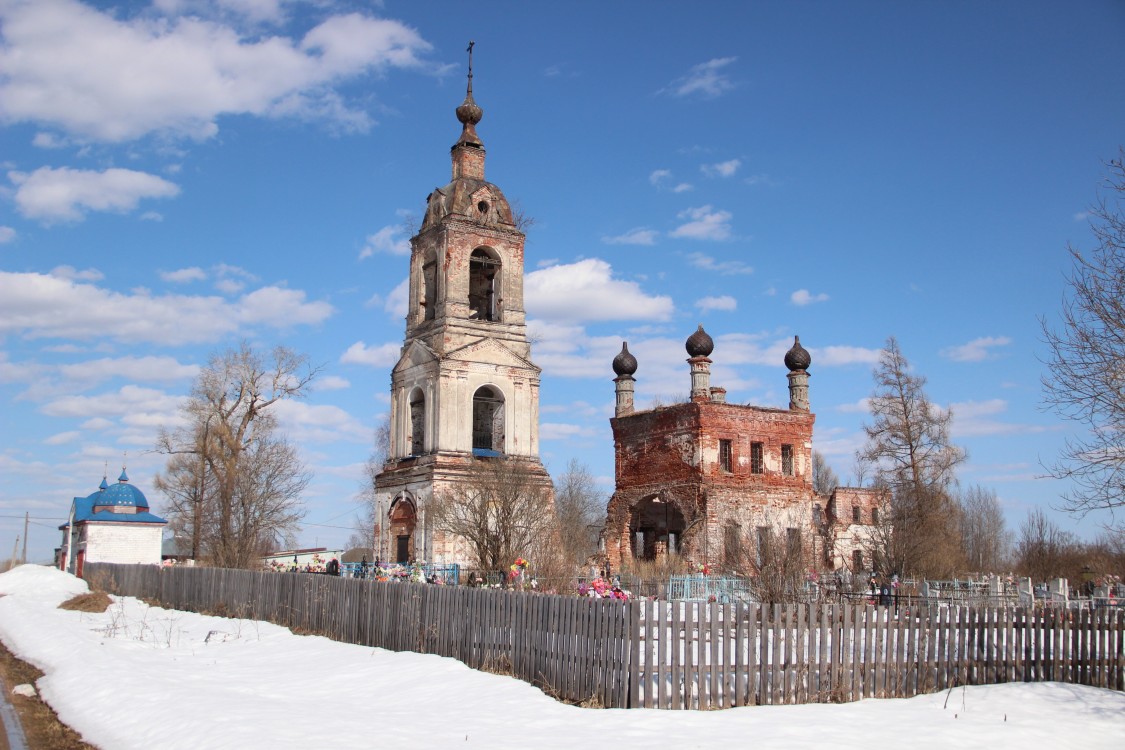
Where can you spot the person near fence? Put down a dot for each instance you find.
(885, 593)
(363, 567)
(333, 567)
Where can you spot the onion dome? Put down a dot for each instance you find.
(798, 357)
(699, 344)
(104, 485)
(624, 363)
(121, 494)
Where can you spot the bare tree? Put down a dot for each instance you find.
(363, 534)
(580, 510)
(1087, 360)
(1044, 551)
(775, 558)
(984, 535)
(910, 454)
(824, 479)
(500, 510)
(248, 477)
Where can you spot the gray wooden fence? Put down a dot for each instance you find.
(679, 655)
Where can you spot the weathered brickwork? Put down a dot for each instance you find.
(703, 476)
(464, 388)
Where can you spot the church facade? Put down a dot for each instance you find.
(464, 388)
(706, 479)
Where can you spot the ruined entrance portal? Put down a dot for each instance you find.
(656, 527)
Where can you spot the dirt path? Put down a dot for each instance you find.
(42, 728)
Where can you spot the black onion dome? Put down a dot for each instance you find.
(798, 357)
(624, 363)
(699, 344)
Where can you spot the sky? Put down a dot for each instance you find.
(182, 175)
(140, 677)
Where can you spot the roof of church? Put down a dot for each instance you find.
(120, 495)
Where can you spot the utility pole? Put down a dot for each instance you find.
(16, 546)
(26, 521)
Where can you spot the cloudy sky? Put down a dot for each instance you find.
(181, 175)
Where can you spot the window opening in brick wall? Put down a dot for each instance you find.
(726, 456)
(874, 516)
(787, 460)
(793, 542)
(732, 545)
(757, 464)
(857, 560)
(763, 545)
(855, 514)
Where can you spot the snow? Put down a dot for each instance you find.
(143, 677)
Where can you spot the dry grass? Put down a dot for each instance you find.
(42, 727)
(95, 601)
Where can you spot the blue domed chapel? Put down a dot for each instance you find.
(111, 524)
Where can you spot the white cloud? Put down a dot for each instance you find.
(725, 302)
(230, 286)
(149, 368)
(976, 350)
(62, 438)
(131, 402)
(804, 297)
(66, 194)
(323, 423)
(722, 169)
(281, 307)
(386, 240)
(108, 77)
(7, 234)
(706, 79)
(384, 355)
(977, 418)
(41, 306)
(48, 140)
(708, 263)
(704, 223)
(863, 406)
(833, 356)
(399, 299)
(184, 275)
(562, 431)
(331, 383)
(660, 177)
(70, 273)
(586, 291)
(638, 236)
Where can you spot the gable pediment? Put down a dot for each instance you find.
(491, 352)
(416, 353)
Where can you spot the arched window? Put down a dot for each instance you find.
(488, 421)
(484, 285)
(417, 422)
(428, 296)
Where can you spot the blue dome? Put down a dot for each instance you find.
(120, 494)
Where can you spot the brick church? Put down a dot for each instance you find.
(702, 478)
(690, 478)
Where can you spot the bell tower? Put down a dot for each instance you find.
(464, 388)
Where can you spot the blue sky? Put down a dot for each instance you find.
(180, 175)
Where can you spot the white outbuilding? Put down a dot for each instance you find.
(113, 524)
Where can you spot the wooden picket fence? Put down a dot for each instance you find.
(659, 654)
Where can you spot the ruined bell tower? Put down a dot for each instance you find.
(464, 388)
